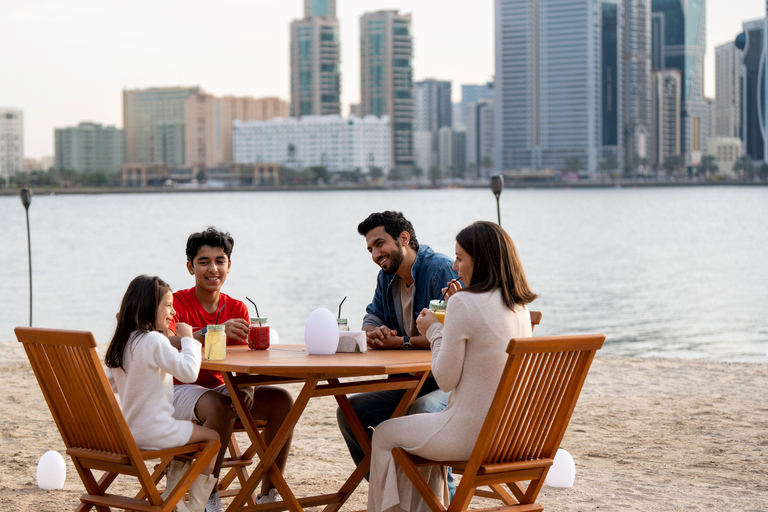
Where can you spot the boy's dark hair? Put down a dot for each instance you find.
(211, 237)
(138, 312)
(394, 223)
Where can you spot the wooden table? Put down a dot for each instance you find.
(291, 363)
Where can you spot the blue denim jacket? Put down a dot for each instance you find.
(431, 272)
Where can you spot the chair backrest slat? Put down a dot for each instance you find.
(536, 396)
(75, 386)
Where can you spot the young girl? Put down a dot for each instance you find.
(141, 364)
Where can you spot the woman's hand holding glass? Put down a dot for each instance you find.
(425, 320)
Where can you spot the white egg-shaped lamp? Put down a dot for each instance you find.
(274, 339)
(563, 470)
(51, 471)
(321, 334)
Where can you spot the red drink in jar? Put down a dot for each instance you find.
(258, 336)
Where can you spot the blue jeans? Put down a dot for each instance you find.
(376, 406)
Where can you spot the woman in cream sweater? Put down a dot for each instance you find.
(468, 356)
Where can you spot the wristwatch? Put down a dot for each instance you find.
(204, 330)
(407, 345)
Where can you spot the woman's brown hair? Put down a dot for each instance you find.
(495, 263)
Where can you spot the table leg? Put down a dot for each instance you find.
(267, 454)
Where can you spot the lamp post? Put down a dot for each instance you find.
(497, 185)
(26, 200)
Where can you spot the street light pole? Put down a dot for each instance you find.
(26, 200)
(497, 185)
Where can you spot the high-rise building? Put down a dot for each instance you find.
(154, 117)
(472, 93)
(666, 116)
(315, 67)
(612, 76)
(433, 110)
(89, 147)
(679, 42)
(547, 85)
(637, 82)
(208, 132)
(386, 77)
(727, 90)
(754, 86)
(333, 142)
(480, 138)
(326, 8)
(11, 141)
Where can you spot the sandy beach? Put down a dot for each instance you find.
(646, 435)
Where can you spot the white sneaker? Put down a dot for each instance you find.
(271, 497)
(214, 503)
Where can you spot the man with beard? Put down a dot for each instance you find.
(411, 275)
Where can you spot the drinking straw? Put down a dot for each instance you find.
(342, 302)
(447, 288)
(217, 313)
(256, 307)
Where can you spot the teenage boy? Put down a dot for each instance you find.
(207, 400)
(411, 275)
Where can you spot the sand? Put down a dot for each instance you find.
(646, 435)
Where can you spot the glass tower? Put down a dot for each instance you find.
(315, 67)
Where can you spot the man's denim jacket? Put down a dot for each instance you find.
(431, 272)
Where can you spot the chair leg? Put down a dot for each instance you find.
(418, 481)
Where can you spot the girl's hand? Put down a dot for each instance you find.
(454, 285)
(183, 330)
(425, 320)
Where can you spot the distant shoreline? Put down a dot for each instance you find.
(405, 186)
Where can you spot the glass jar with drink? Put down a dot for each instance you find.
(215, 343)
(258, 335)
(438, 308)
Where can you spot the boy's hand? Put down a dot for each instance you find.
(183, 330)
(237, 328)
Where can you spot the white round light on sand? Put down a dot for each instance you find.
(321, 334)
(563, 470)
(51, 471)
(274, 339)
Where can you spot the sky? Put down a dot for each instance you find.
(67, 61)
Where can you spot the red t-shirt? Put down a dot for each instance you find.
(190, 311)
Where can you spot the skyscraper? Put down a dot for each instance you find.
(386, 77)
(679, 42)
(315, 66)
(433, 110)
(637, 81)
(89, 147)
(547, 85)
(471, 93)
(666, 116)
(153, 120)
(753, 42)
(11, 141)
(326, 8)
(612, 76)
(727, 90)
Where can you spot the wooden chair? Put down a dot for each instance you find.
(92, 425)
(522, 431)
(535, 318)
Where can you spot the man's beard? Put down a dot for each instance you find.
(395, 260)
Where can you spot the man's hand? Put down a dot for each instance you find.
(237, 328)
(383, 337)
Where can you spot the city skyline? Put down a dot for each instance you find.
(70, 66)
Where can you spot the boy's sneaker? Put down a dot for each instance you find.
(271, 497)
(214, 503)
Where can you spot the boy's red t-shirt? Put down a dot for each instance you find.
(190, 311)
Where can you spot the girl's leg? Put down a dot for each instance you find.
(200, 435)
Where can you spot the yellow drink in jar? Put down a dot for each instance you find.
(438, 308)
(215, 343)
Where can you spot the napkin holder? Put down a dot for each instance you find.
(352, 341)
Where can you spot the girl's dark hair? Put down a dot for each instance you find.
(495, 263)
(138, 312)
